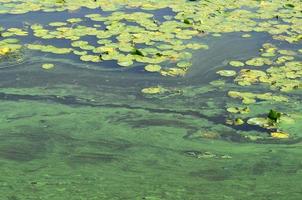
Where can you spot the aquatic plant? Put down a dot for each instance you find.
(153, 90)
(226, 73)
(274, 115)
(48, 66)
(280, 135)
(137, 52)
(153, 68)
(4, 51)
(168, 35)
(141, 124)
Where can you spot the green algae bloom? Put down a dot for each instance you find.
(222, 101)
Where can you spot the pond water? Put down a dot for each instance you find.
(155, 100)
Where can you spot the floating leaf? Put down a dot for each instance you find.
(226, 73)
(153, 68)
(48, 66)
(280, 135)
(236, 63)
(4, 51)
(153, 90)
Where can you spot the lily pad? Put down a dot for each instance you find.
(227, 73)
(153, 68)
(153, 90)
(236, 63)
(280, 135)
(48, 66)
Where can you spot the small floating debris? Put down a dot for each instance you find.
(48, 66)
(206, 155)
(226, 157)
(153, 90)
(241, 110)
(280, 135)
(236, 122)
(246, 36)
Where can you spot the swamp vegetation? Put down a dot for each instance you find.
(154, 100)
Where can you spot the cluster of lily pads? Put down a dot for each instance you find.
(149, 43)
(165, 44)
(282, 71)
(278, 71)
(8, 47)
(162, 45)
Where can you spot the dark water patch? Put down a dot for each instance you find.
(57, 42)
(143, 123)
(91, 158)
(12, 197)
(19, 117)
(113, 145)
(28, 146)
(151, 163)
(270, 165)
(158, 13)
(72, 100)
(191, 153)
(266, 164)
(27, 75)
(293, 169)
(21, 151)
(24, 146)
(281, 141)
(34, 169)
(248, 127)
(234, 137)
(212, 174)
(228, 47)
(121, 116)
(259, 168)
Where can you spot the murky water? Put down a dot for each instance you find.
(84, 130)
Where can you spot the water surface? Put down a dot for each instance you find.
(85, 130)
